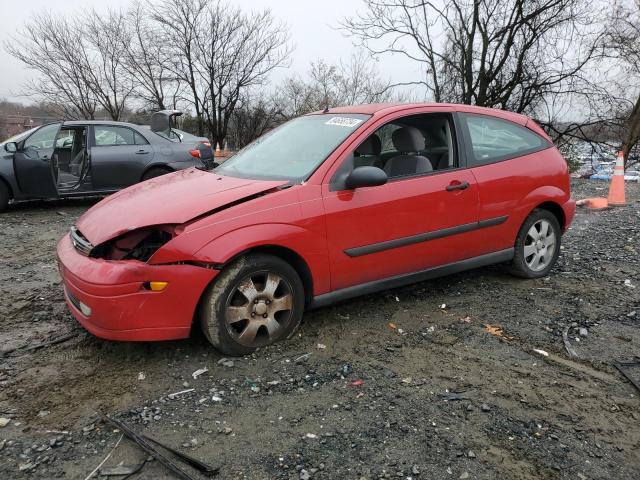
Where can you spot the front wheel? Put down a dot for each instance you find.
(537, 246)
(254, 302)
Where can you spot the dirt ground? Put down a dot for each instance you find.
(443, 394)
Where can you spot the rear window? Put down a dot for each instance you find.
(109, 135)
(492, 139)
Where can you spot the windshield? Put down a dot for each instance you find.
(294, 150)
(20, 136)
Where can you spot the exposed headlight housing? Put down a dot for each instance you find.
(138, 244)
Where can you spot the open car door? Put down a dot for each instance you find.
(161, 122)
(35, 165)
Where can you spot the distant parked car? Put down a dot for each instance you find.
(81, 158)
(325, 207)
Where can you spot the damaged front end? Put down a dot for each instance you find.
(138, 244)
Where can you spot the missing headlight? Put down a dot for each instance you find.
(136, 245)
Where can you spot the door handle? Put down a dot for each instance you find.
(457, 186)
(142, 152)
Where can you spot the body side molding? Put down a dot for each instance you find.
(423, 237)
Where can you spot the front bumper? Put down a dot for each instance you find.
(110, 300)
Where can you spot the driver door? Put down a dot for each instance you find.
(35, 165)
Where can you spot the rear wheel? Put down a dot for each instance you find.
(255, 301)
(4, 196)
(538, 245)
(155, 172)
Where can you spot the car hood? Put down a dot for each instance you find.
(174, 198)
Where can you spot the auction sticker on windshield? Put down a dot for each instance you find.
(344, 122)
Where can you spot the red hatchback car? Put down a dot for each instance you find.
(327, 206)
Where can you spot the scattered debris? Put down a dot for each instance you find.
(199, 372)
(225, 362)
(122, 469)
(495, 331)
(627, 283)
(302, 358)
(625, 369)
(356, 383)
(312, 436)
(541, 352)
(141, 376)
(393, 326)
(48, 343)
(4, 421)
(105, 458)
(321, 346)
(346, 369)
(567, 344)
(174, 395)
(145, 444)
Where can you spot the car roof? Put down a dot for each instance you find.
(99, 122)
(386, 108)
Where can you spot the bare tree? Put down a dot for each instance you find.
(236, 52)
(147, 60)
(510, 54)
(181, 23)
(79, 61)
(350, 82)
(103, 54)
(623, 40)
(49, 45)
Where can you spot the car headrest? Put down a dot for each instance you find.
(408, 139)
(371, 146)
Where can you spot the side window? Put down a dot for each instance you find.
(139, 139)
(493, 139)
(109, 135)
(42, 138)
(405, 147)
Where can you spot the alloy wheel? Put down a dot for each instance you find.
(259, 309)
(539, 245)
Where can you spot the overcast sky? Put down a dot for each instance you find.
(312, 25)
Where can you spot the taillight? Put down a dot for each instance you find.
(195, 152)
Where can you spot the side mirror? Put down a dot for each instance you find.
(11, 147)
(366, 177)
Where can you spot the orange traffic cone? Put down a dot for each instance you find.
(217, 154)
(616, 189)
(596, 203)
(225, 152)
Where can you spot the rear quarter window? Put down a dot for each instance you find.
(491, 139)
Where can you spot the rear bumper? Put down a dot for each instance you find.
(569, 209)
(109, 298)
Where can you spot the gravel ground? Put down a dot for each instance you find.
(437, 380)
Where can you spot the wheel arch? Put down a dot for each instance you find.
(557, 211)
(159, 166)
(290, 256)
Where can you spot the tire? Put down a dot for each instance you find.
(536, 252)
(238, 323)
(155, 172)
(5, 196)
